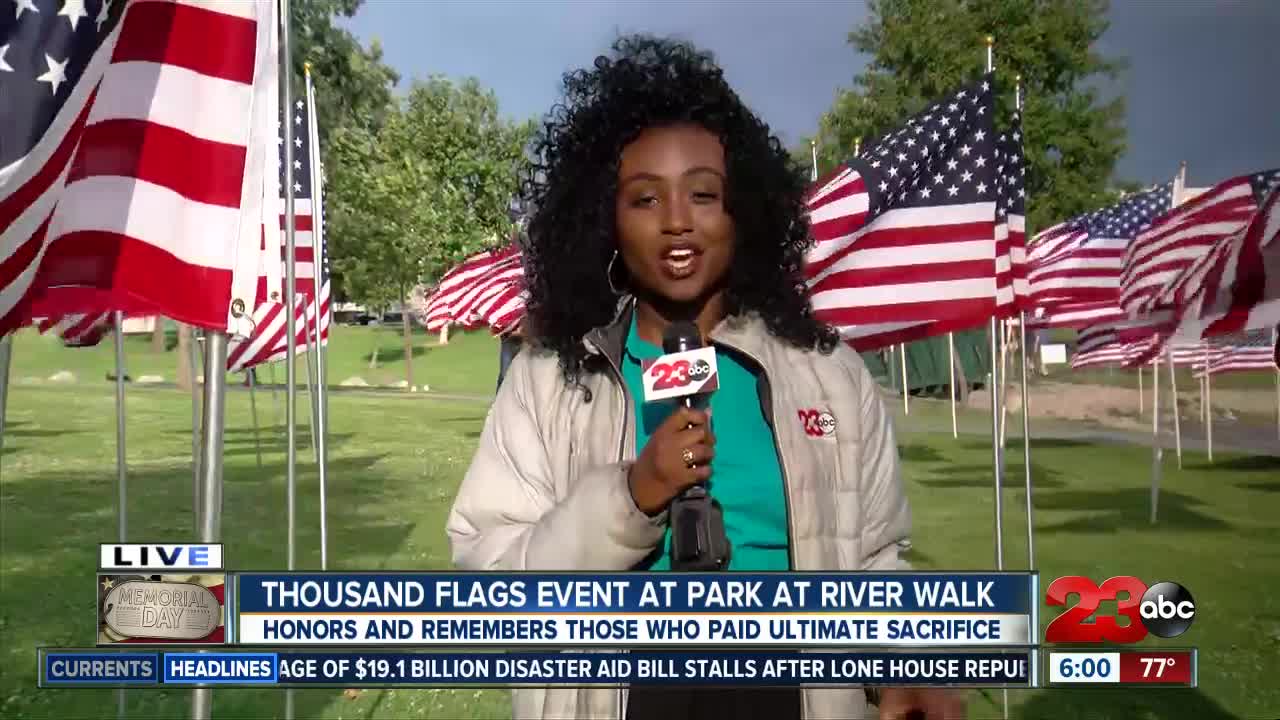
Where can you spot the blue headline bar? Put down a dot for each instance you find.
(497, 669)
(982, 593)
(101, 668)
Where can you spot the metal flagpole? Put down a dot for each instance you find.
(210, 503)
(813, 147)
(951, 383)
(311, 385)
(997, 465)
(1177, 423)
(997, 456)
(290, 290)
(193, 349)
(906, 393)
(122, 515)
(1157, 452)
(1140, 391)
(253, 409)
(1208, 406)
(6, 352)
(317, 279)
(1026, 422)
(1275, 344)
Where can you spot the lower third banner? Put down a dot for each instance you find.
(69, 668)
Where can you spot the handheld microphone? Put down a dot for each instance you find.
(698, 538)
(682, 337)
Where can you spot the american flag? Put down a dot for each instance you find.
(1251, 350)
(1156, 258)
(1011, 222)
(1102, 346)
(123, 135)
(485, 289)
(905, 233)
(1236, 285)
(1076, 315)
(1085, 266)
(267, 343)
(78, 329)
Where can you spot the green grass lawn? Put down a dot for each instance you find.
(395, 463)
(468, 364)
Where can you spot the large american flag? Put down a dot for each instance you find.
(1084, 265)
(123, 135)
(267, 342)
(1161, 253)
(905, 233)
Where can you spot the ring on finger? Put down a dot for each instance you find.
(687, 455)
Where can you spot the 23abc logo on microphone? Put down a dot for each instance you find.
(1164, 609)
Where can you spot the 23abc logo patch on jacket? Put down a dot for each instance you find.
(1165, 609)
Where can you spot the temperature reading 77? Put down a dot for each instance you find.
(1158, 663)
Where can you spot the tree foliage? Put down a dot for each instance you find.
(923, 49)
(431, 186)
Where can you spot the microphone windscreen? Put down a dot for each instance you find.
(681, 336)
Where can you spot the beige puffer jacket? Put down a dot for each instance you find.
(547, 489)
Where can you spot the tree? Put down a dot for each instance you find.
(353, 86)
(923, 49)
(431, 186)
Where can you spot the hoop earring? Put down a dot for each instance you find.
(608, 276)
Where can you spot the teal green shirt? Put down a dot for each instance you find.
(746, 478)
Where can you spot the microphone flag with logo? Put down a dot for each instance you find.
(687, 368)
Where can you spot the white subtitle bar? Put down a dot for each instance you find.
(668, 630)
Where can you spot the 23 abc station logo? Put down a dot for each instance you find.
(1165, 609)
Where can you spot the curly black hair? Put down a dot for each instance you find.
(652, 82)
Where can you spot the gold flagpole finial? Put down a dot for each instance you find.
(991, 40)
(1017, 78)
(306, 67)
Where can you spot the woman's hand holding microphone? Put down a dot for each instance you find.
(677, 455)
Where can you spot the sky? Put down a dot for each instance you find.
(1200, 87)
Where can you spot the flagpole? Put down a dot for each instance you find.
(1026, 402)
(209, 505)
(290, 303)
(996, 463)
(317, 281)
(193, 350)
(1140, 391)
(1208, 405)
(1157, 452)
(997, 456)
(951, 382)
(122, 515)
(906, 392)
(1177, 423)
(253, 410)
(1275, 343)
(813, 147)
(6, 353)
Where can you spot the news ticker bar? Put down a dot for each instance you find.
(86, 667)
(1169, 668)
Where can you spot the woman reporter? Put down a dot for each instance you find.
(658, 197)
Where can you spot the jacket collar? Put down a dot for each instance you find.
(746, 334)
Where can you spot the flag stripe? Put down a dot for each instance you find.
(178, 36)
(137, 149)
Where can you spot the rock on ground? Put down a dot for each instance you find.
(63, 376)
(354, 382)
